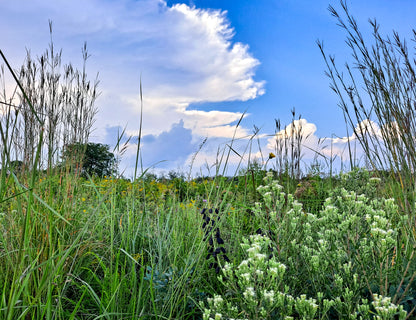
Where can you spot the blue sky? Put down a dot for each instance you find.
(203, 63)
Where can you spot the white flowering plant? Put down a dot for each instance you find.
(256, 288)
(335, 263)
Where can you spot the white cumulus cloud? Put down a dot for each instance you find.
(185, 56)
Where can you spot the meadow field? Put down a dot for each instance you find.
(255, 246)
(280, 243)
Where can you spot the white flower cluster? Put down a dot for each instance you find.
(382, 235)
(306, 307)
(273, 197)
(384, 309)
(254, 282)
(257, 288)
(328, 249)
(387, 310)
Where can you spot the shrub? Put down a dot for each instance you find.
(324, 265)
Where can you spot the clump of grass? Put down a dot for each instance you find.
(381, 116)
(288, 147)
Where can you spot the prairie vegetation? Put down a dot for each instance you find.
(263, 244)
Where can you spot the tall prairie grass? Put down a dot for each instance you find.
(261, 244)
(377, 98)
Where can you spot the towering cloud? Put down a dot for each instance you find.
(185, 56)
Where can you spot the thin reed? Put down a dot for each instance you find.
(381, 115)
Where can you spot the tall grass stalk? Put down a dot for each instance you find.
(34, 255)
(139, 138)
(382, 116)
(23, 265)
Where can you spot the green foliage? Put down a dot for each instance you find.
(312, 192)
(340, 257)
(93, 159)
(118, 242)
(251, 286)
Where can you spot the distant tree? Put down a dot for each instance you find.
(149, 176)
(172, 175)
(94, 159)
